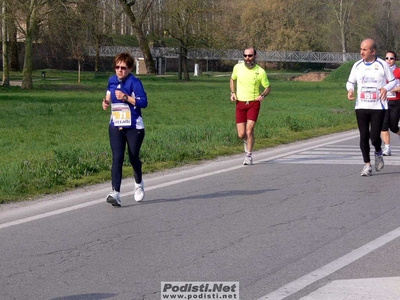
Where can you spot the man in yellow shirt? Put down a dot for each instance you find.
(246, 80)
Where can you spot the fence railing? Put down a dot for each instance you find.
(232, 54)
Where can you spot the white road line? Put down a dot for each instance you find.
(334, 154)
(384, 288)
(304, 281)
(287, 290)
(79, 206)
(49, 214)
(348, 136)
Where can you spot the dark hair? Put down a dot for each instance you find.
(254, 50)
(394, 54)
(126, 58)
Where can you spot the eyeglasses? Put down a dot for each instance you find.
(389, 58)
(248, 55)
(120, 67)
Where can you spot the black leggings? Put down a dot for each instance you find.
(118, 140)
(365, 118)
(392, 117)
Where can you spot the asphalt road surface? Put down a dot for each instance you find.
(301, 223)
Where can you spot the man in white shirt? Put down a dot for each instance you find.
(373, 78)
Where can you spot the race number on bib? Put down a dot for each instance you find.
(369, 94)
(121, 114)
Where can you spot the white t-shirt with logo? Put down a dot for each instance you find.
(370, 78)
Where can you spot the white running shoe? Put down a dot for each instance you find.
(248, 160)
(138, 191)
(379, 164)
(245, 146)
(366, 171)
(114, 198)
(387, 151)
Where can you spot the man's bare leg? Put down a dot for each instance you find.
(250, 135)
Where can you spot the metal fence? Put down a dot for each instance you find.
(232, 54)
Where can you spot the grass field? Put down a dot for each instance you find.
(54, 137)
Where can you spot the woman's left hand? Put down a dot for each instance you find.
(119, 95)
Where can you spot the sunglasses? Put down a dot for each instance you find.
(389, 58)
(248, 55)
(120, 67)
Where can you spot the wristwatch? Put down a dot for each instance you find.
(125, 98)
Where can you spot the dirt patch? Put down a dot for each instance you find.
(312, 76)
(15, 82)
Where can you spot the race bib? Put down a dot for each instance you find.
(121, 114)
(369, 94)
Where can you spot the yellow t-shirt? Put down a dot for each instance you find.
(249, 81)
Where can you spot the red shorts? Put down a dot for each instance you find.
(247, 111)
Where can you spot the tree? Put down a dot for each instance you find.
(31, 17)
(271, 25)
(96, 30)
(342, 11)
(5, 44)
(77, 22)
(185, 25)
(388, 25)
(13, 44)
(137, 26)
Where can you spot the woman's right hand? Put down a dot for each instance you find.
(106, 104)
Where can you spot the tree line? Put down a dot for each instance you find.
(69, 27)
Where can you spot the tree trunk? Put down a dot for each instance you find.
(79, 71)
(14, 58)
(97, 55)
(185, 66)
(5, 46)
(27, 83)
(343, 41)
(144, 47)
(180, 62)
(137, 28)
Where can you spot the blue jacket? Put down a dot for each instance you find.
(131, 86)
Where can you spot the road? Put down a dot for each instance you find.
(301, 223)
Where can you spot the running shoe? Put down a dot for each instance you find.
(113, 198)
(138, 191)
(387, 151)
(366, 171)
(379, 164)
(248, 160)
(245, 146)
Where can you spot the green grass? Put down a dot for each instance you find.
(55, 137)
(341, 74)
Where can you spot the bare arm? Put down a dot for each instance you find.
(233, 90)
(264, 93)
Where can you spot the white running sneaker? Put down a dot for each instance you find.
(248, 160)
(379, 164)
(366, 171)
(387, 151)
(113, 198)
(138, 191)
